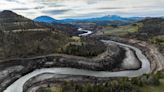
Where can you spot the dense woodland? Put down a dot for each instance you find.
(25, 44)
(87, 47)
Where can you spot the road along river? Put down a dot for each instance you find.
(17, 86)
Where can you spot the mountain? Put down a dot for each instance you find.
(113, 18)
(22, 37)
(104, 18)
(45, 19)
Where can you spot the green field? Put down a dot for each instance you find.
(122, 30)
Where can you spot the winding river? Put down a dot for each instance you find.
(87, 32)
(17, 86)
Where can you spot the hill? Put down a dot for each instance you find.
(152, 26)
(45, 19)
(22, 37)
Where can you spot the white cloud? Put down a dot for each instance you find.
(84, 8)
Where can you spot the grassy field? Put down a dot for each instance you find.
(56, 89)
(122, 30)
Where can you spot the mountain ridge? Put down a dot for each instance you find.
(103, 18)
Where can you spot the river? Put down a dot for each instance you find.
(87, 32)
(17, 86)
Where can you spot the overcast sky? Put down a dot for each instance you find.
(84, 8)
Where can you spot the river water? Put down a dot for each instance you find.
(17, 86)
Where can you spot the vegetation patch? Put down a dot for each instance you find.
(121, 30)
(150, 88)
(85, 47)
(26, 44)
(54, 88)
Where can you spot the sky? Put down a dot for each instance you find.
(60, 9)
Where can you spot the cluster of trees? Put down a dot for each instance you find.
(104, 87)
(152, 26)
(67, 28)
(111, 86)
(87, 48)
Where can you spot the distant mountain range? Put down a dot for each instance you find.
(49, 19)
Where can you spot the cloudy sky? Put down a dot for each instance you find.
(60, 9)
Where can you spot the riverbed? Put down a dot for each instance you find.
(17, 86)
